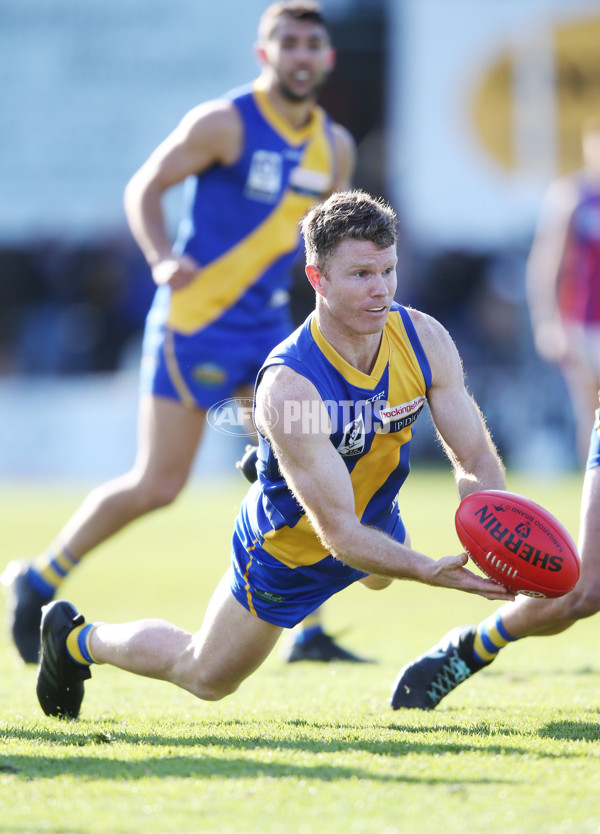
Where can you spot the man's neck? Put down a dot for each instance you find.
(297, 113)
(357, 349)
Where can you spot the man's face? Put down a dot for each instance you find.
(359, 284)
(300, 57)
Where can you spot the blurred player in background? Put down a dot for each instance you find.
(347, 387)
(563, 282)
(563, 278)
(254, 162)
(467, 649)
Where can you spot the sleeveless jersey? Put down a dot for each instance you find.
(241, 221)
(579, 287)
(372, 418)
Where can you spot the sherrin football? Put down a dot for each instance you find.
(518, 543)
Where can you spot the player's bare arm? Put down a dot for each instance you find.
(543, 268)
(344, 149)
(208, 135)
(320, 481)
(456, 416)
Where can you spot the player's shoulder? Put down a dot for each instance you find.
(215, 125)
(282, 382)
(286, 372)
(429, 329)
(438, 345)
(279, 394)
(342, 135)
(218, 112)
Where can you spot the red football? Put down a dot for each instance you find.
(517, 543)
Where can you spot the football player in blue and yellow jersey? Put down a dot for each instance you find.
(253, 162)
(335, 407)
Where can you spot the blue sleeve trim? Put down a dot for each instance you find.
(416, 346)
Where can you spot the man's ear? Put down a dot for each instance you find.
(260, 54)
(315, 278)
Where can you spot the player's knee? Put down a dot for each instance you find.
(156, 493)
(166, 492)
(208, 689)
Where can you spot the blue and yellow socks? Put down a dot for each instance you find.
(49, 569)
(491, 636)
(308, 628)
(78, 644)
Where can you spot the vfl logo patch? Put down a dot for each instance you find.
(353, 440)
(264, 177)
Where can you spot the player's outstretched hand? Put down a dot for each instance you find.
(450, 572)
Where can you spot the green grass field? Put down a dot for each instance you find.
(304, 748)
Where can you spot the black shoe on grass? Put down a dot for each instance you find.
(323, 649)
(24, 610)
(423, 683)
(59, 683)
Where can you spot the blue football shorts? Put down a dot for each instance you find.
(281, 595)
(206, 367)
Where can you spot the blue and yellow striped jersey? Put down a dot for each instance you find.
(372, 417)
(242, 221)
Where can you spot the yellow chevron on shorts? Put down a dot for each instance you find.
(294, 546)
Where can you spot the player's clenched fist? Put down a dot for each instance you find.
(177, 272)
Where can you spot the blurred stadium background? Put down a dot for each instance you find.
(463, 111)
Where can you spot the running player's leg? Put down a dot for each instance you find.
(168, 436)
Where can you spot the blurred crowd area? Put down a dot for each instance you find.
(71, 308)
(68, 310)
(74, 289)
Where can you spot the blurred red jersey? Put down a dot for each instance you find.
(579, 287)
